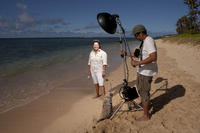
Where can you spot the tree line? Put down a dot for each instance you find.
(190, 23)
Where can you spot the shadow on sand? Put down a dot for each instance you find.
(157, 103)
(170, 94)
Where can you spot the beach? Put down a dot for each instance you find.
(175, 94)
(175, 97)
(33, 67)
(42, 79)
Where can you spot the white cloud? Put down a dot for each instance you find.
(3, 23)
(25, 24)
(78, 31)
(25, 18)
(91, 26)
(52, 21)
(21, 6)
(26, 21)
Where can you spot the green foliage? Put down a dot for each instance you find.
(184, 38)
(190, 23)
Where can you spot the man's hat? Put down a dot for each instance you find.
(138, 28)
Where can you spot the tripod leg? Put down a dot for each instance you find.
(117, 109)
(138, 106)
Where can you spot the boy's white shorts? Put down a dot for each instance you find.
(97, 78)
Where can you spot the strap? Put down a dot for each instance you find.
(141, 47)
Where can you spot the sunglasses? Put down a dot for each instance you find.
(136, 35)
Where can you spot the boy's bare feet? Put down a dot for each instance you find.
(96, 96)
(143, 118)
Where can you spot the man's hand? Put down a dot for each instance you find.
(122, 53)
(89, 73)
(134, 63)
(103, 74)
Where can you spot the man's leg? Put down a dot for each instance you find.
(97, 90)
(144, 85)
(101, 83)
(96, 85)
(146, 112)
(146, 109)
(102, 90)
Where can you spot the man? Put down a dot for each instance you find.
(147, 67)
(97, 66)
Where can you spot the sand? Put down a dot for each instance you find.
(175, 95)
(175, 105)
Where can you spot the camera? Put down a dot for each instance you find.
(137, 53)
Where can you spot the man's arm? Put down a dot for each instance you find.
(89, 71)
(126, 54)
(104, 64)
(104, 70)
(152, 57)
(89, 65)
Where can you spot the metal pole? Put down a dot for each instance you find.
(117, 109)
(123, 58)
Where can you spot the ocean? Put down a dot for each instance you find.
(32, 67)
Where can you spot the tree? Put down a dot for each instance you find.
(183, 25)
(190, 23)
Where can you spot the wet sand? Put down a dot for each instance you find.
(35, 116)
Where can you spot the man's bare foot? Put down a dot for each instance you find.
(96, 96)
(143, 118)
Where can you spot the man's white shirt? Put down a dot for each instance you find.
(96, 61)
(149, 47)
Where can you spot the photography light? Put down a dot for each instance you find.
(109, 24)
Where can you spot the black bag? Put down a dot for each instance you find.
(129, 93)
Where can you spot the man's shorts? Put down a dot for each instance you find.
(144, 86)
(97, 78)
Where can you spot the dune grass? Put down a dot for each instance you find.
(184, 38)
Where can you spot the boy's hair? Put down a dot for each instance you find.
(97, 42)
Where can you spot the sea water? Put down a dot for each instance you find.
(32, 67)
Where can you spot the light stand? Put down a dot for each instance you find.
(109, 24)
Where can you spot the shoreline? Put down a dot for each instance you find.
(170, 109)
(36, 111)
(41, 112)
(70, 115)
(24, 88)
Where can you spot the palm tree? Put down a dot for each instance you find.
(193, 14)
(183, 25)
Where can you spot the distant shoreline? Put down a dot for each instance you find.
(63, 37)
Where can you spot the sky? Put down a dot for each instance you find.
(78, 18)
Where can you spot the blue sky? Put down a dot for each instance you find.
(77, 18)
